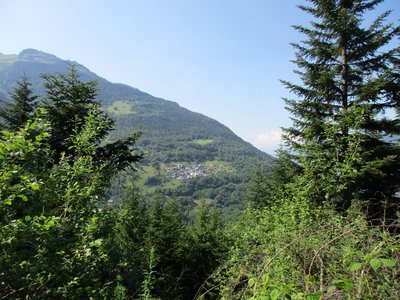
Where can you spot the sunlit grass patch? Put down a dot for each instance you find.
(120, 108)
(203, 142)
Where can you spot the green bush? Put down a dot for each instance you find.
(296, 251)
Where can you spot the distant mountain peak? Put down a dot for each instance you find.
(38, 56)
(31, 51)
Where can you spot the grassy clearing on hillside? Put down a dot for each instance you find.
(217, 166)
(120, 108)
(203, 142)
(172, 184)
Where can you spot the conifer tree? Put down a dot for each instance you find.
(167, 236)
(349, 76)
(68, 103)
(259, 190)
(130, 244)
(15, 115)
(207, 247)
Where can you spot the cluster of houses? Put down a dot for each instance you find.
(182, 172)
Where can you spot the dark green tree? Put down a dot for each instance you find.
(130, 248)
(15, 114)
(68, 103)
(167, 235)
(207, 245)
(259, 189)
(348, 74)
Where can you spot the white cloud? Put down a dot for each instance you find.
(268, 140)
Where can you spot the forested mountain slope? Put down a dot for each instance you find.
(187, 155)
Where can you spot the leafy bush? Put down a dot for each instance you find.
(295, 251)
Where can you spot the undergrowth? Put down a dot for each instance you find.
(296, 251)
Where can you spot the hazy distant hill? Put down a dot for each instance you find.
(188, 155)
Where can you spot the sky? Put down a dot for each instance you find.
(221, 58)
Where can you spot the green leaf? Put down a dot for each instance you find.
(375, 263)
(331, 289)
(23, 263)
(347, 284)
(274, 294)
(23, 197)
(297, 296)
(314, 296)
(266, 279)
(388, 262)
(355, 266)
(35, 186)
(251, 282)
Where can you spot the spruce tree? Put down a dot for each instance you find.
(258, 192)
(15, 114)
(340, 136)
(68, 103)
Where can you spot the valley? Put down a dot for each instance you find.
(186, 154)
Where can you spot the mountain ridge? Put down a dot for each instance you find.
(172, 135)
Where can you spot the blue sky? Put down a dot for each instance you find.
(222, 58)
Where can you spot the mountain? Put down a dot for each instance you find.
(188, 155)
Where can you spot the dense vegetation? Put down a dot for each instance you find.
(57, 238)
(321, 223)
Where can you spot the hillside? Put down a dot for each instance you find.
(187, 155)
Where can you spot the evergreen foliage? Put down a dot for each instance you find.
(67, 103)
(347, 73)
(16, 114)
(207, 247)
(294, 241)
(259, 189)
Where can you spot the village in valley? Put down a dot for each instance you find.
(182, 172)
